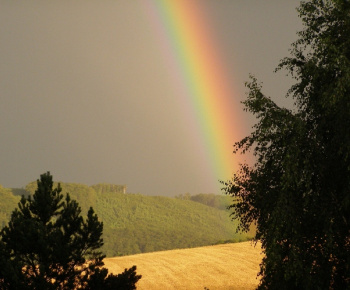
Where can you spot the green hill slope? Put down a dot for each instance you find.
(135, 223)
(8, 203)
(139, 223)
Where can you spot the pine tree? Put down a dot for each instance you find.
(48, 245)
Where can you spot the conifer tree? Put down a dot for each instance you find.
(48, 245)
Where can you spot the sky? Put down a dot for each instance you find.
(97, 92)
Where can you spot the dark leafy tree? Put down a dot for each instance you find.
(48, 245)
(100, 280)
(298, 191)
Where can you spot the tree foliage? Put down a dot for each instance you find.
(298, 191)
(48, 245)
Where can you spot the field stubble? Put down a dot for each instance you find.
(227, 266)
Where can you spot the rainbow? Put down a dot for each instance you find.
(200, 77)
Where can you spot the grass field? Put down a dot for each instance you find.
(227, 266)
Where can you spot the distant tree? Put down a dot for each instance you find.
(298, 192)
(212, 200)
(48, 245)
(186, 196)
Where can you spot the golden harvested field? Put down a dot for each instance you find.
(227, 266)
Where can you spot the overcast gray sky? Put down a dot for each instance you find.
(84, 91)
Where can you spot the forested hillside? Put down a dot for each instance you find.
(8, 202)
(135, 223)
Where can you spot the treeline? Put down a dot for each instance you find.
(209, 199)
(135, 223)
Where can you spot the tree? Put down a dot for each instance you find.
(298, 191)
(48, 245)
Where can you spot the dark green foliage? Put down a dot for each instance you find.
(123, 281)
(48, 245)
(298, 192)
(100, 280)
